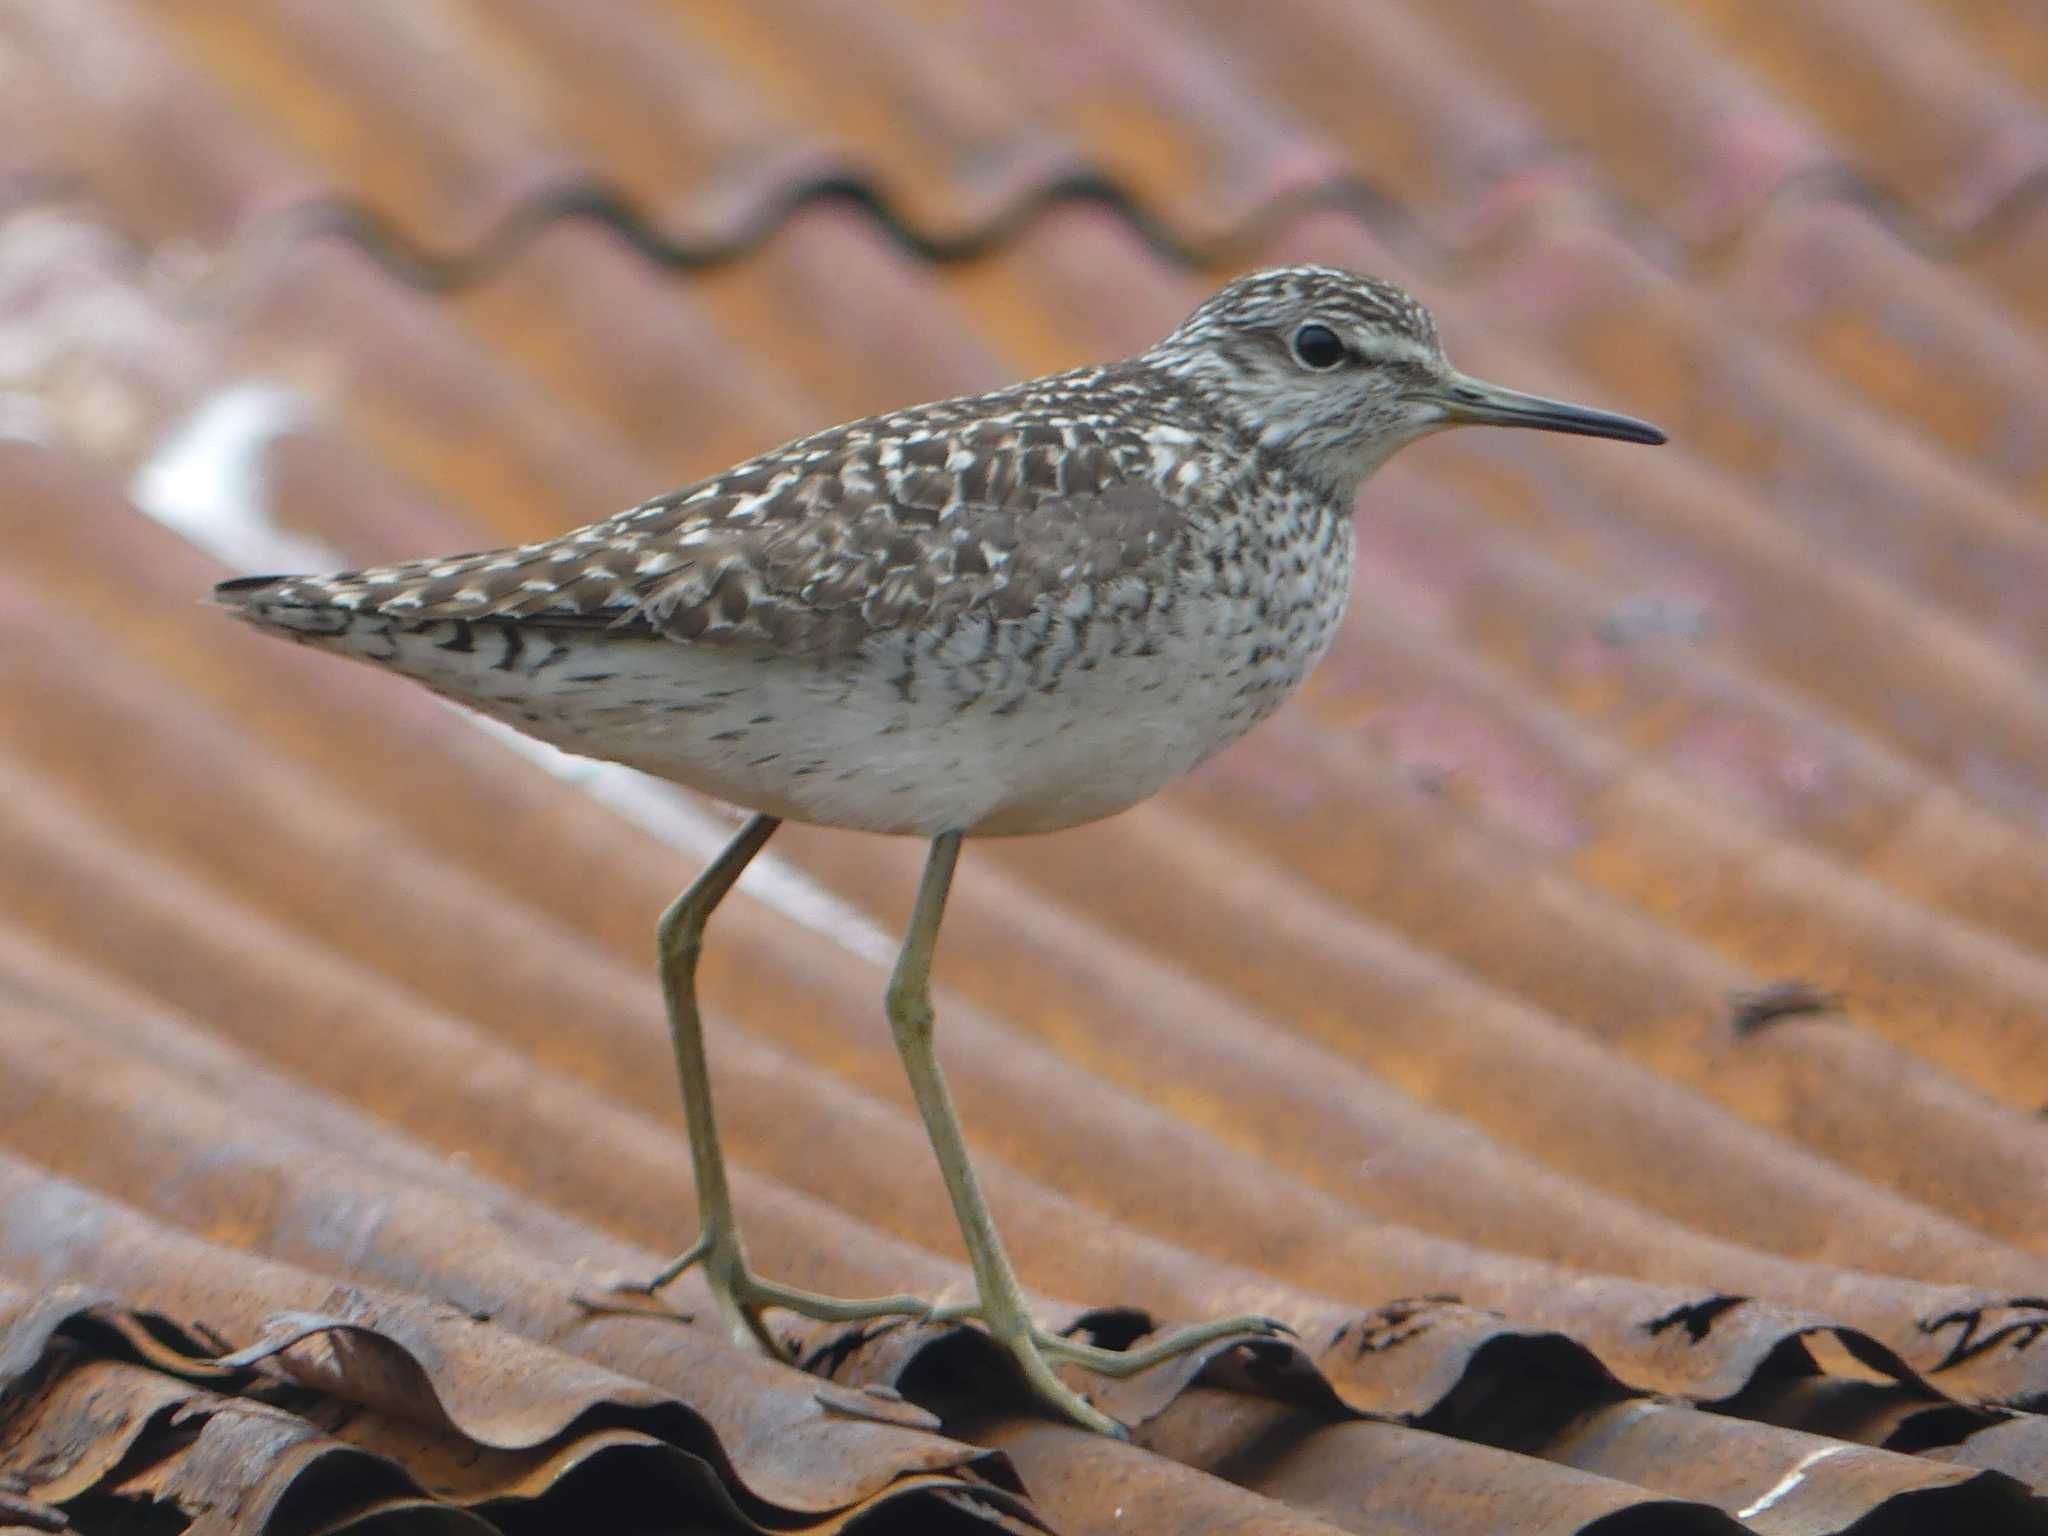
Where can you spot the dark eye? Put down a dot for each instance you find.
(1318, 347)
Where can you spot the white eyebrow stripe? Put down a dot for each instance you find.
(1384, 347)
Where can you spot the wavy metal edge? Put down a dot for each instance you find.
(598, 201)
(100, 1400)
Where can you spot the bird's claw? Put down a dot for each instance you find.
(1123, 1362)
(742, 1296)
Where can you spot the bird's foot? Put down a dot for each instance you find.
(1036, 1349)
(743, 1296)
(1125, 1362)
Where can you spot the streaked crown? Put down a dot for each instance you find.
(1370, 310)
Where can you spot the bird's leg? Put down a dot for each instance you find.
(740, 1294)
(1001, 1303)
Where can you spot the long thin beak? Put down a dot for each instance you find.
(1471, 402)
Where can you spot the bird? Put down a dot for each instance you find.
(995, 615)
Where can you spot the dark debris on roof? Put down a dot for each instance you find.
(1607, 1015)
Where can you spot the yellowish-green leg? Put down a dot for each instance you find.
(740, 1294)
(1001, 1302)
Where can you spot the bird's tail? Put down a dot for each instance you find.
(405, 590)
(299, 607)
(348, 613)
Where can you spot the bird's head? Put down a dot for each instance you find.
(1334, 371)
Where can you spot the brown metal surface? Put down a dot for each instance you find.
(1607, 1014)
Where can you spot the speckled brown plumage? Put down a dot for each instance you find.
(988, 505)
(1006, 612)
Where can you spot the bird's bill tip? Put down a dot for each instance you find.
(1473, 402)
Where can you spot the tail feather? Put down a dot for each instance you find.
(332, 604)
(232, 594)
(365, 590)
(298, 607)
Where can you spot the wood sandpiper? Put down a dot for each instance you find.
(1008, 613)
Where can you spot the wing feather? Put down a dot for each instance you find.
(915, 521)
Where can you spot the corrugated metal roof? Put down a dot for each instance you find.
(1608, 1014)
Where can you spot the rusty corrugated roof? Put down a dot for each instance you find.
(1608, 1014)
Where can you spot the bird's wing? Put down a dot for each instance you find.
(812, 548)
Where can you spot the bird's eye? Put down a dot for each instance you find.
(1318, 347)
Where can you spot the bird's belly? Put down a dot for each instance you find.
(870, 751)
(1005, 728)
